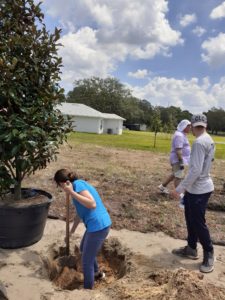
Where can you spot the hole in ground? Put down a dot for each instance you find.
(66, 271)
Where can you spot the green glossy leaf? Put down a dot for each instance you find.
(32, 130)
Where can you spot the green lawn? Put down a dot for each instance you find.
(139, 140)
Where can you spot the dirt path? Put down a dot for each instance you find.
(153, 273)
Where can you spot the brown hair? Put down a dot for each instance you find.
(64, 175)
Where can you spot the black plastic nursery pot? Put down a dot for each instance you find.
(23, 226)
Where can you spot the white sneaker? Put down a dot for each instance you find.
(181, 204)
(100, 275)
(163, 189)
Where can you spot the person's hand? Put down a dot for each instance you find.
(182, 166)
(67, 186)
(175, 194)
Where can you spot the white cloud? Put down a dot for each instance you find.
(188, 19)
(214, 51)
(199, 31)
(218, 12)
(82, 57)
(139, 74)
(190, 94)
(100, 34)
(218, 92)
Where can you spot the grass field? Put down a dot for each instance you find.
(139, 140)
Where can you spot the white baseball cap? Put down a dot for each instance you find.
(199, 120)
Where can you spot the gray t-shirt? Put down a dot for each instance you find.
(198, 179)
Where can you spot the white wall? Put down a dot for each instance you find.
(143, 127)
(87, 124)
(115, 125)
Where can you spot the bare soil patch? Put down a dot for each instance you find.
(127, 181)
(137, 266)
(129, 275)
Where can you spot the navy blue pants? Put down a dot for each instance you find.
(90, 245)
(195, 208)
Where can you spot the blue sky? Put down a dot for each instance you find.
(167, 52)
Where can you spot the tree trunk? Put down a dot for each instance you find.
(17, 191)
(155, 140)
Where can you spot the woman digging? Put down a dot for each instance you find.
(91, 210)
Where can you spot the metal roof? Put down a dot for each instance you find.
(77, 109)
(112, 116)
(82, 110)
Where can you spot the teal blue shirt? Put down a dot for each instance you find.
(94, 219)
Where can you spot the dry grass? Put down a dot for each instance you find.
(127, 180)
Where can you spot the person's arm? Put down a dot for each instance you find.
(76, 222)
(179, 144)
(180, 158)
(84, 197)
(195, 169)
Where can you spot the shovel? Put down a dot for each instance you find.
(67, 224)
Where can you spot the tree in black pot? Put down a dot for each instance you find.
(31, 129)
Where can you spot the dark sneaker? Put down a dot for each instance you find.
(207, 265)
(186, 251)
(99, 275)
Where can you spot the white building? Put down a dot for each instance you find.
(87, 119)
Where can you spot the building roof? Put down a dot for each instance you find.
(112, 116)
(82, 110)
(77, 109)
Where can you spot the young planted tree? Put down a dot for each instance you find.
(156, 123)
(31, 130)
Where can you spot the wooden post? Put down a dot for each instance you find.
(67, 225)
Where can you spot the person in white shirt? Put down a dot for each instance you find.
(179, 155)
(198, 186)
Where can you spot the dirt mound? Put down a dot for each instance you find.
(182, 284)
(167, 285)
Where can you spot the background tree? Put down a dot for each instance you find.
(30, 128)
(105, 95)
(169, 125)
(185, 114)
(168, 118)
(110, 96)
(147, 110)
(131, 110)
(216, 120)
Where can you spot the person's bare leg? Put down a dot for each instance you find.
(176, 181)
(168, 180)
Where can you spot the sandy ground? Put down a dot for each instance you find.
(127, 181)
(23, 275)
(142, 218)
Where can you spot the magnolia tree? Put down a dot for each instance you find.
(31, 129)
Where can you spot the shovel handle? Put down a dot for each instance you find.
(67, 224)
